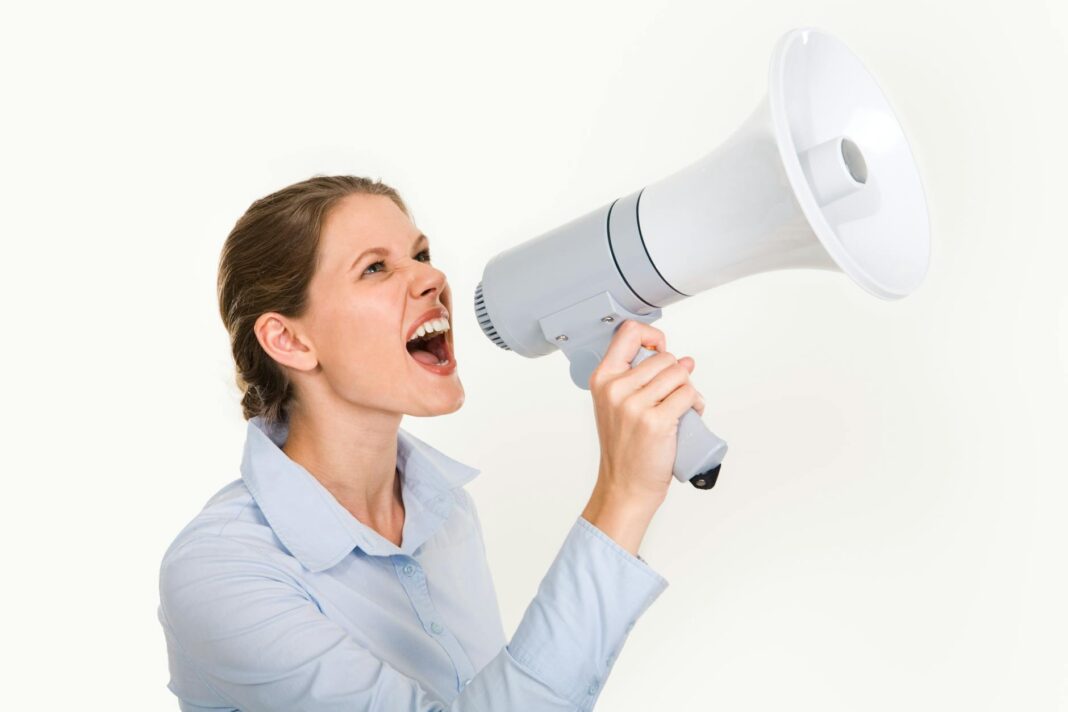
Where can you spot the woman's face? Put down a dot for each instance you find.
(362, 308)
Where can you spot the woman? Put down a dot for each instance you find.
(345, 569)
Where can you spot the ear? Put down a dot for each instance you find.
(279, 337)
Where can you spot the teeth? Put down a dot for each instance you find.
(430, 327)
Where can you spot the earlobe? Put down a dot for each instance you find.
(278, 338)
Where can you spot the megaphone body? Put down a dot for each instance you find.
(819, 176)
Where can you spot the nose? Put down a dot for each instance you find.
(427, 281)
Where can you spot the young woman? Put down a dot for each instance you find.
(345, 569)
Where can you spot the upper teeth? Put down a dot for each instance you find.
(430, 327)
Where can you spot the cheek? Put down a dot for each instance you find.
(361, 339)
(359, 331)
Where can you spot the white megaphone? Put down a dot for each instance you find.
(819, 176)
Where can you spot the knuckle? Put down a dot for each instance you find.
(641, 327)
(632, 409)
(668, 363)
(613, 391)
(595, 380)
(649, 419)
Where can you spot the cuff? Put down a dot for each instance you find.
(586, 605)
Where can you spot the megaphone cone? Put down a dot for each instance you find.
(820, 175)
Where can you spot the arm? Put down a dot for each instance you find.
(624, 519)
(262, 644)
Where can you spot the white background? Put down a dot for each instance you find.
(888, 532)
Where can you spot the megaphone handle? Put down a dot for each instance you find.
(700, 451)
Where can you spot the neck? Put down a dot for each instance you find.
(354, 456)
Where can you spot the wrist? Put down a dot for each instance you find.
(618, 494)
(624, 518)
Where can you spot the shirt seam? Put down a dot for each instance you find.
(255, 554)
(234, 518)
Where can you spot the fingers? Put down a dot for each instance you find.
(699, 406)
(679, 401)
(663, 383)
(671, 386)
(628, 338)
(639, 376)
(655, 380)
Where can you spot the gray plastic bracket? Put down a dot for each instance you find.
(584, 330)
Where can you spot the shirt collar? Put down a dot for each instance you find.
(313, 525)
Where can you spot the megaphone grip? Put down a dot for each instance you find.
(699, 451)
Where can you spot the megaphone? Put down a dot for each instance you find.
(819, 176)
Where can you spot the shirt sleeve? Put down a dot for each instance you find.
(261, 643)
(586, 606)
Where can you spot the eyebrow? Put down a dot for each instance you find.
(384, 251)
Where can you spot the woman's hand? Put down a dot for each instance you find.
(638, 411)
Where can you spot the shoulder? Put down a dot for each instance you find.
(230, 510)
(221, 562)
(230, 528)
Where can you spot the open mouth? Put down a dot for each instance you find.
(432, 351)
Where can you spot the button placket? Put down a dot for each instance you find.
(413, 579)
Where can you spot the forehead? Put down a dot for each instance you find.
(358, 222)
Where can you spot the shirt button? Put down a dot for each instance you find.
(436, 627)
(465, 682)
(593, 689)
(408, 569)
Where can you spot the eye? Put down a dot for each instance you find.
(424, 252)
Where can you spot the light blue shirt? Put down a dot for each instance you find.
(275, 597)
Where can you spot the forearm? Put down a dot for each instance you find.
(624, 519)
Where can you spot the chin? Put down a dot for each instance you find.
(444, 407)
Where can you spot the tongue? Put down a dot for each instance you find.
(424, 357)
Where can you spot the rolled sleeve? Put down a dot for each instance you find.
(586, 605)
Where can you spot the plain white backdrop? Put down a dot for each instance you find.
(889, 530)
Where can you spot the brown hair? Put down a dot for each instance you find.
(266, 265)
